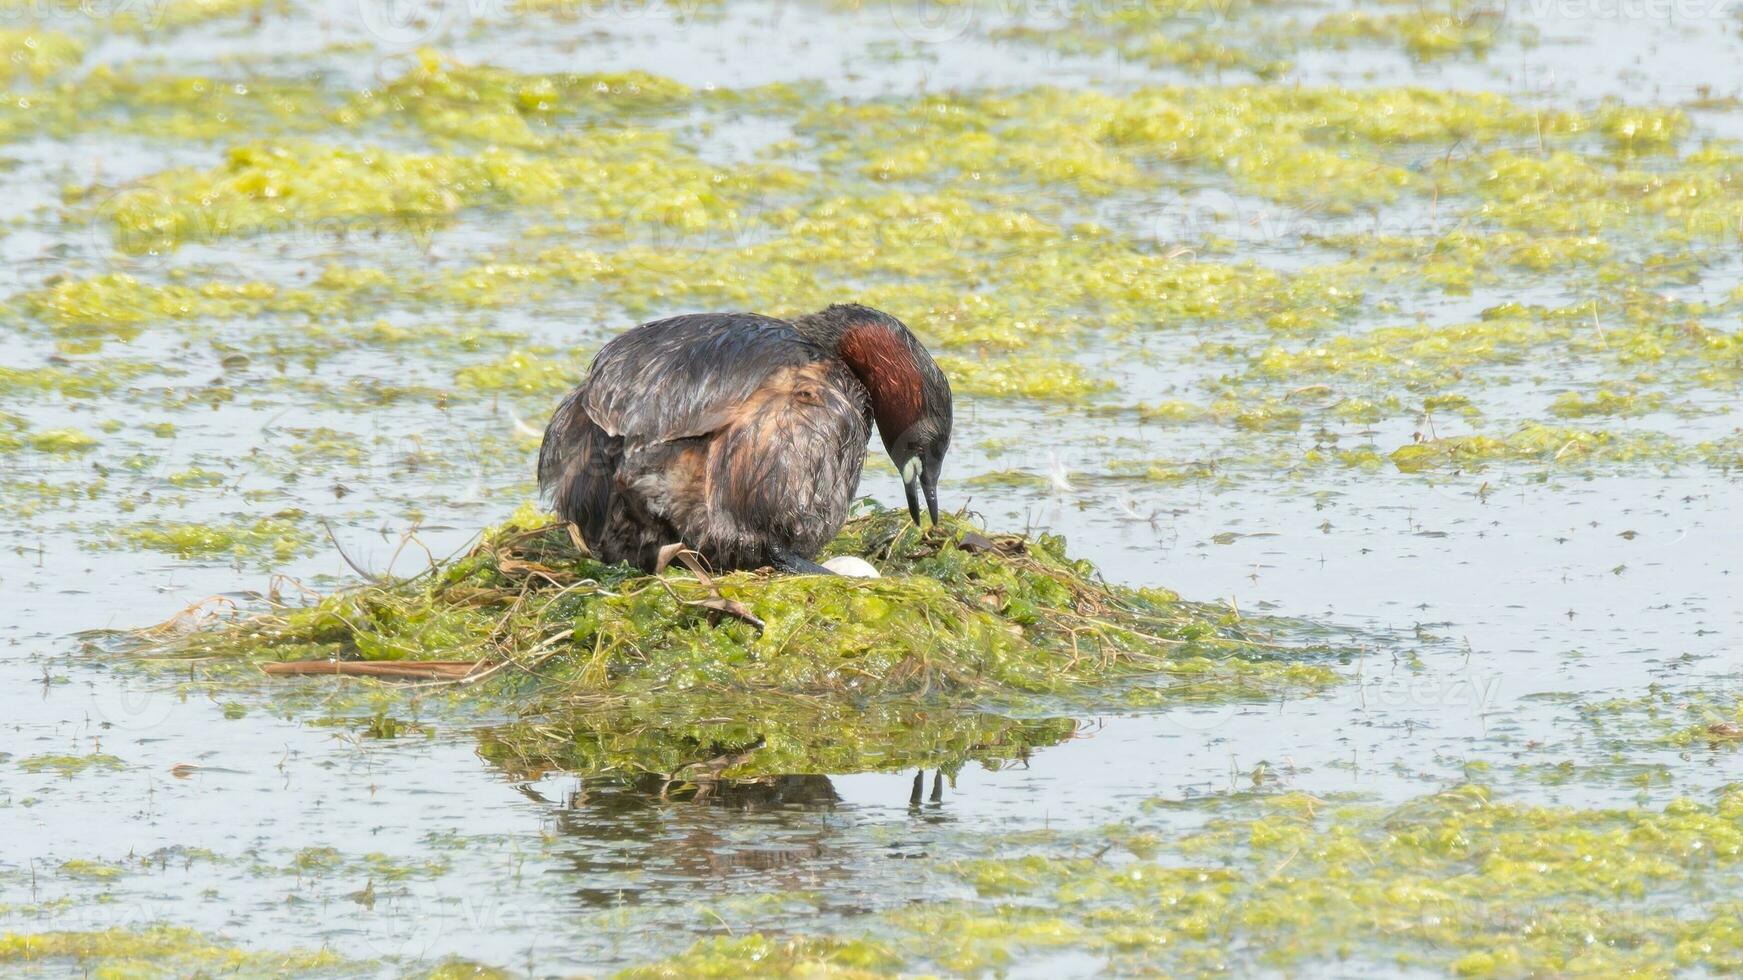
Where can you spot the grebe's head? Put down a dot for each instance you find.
(910, 397)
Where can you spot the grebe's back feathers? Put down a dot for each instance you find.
(681, 377)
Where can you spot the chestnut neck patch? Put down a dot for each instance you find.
(885, 365)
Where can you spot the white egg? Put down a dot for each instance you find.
(851, 567)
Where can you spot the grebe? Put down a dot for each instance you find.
(742, 436)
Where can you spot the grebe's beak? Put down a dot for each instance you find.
(917, 481)
(929, 483)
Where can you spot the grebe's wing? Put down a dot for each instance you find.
(688, 375)
(658, 383)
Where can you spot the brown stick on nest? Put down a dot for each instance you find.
(413, 670)
(434, 671)
(717, 603)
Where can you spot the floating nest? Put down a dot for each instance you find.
(970, 647)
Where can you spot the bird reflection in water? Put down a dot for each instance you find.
(937, 797)
(646, 837)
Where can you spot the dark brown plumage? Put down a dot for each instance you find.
(742, 436)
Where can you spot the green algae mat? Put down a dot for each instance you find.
(1413, 341)
(1457, 882)
(970, 647)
